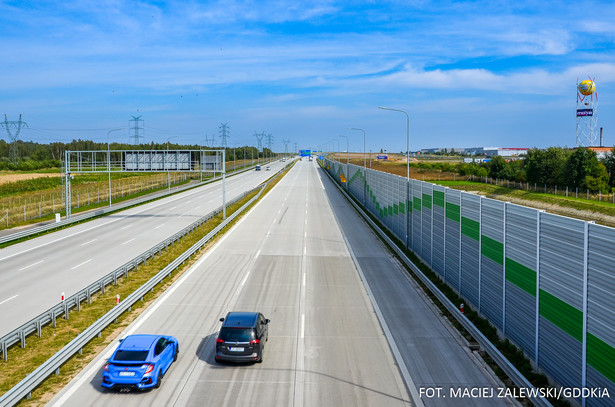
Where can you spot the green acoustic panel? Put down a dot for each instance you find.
(453, 212)
(402, 207)
(438, 198)
(492, 249)
(521, 276)
(427, 201)
(395, 209)
(601, 356)
(417, 203)
(470, 228)
(563, 315)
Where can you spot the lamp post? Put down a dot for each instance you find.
(364, 157)
(347, 160)
(167, 163)
(407, 138)
(347, 149)
(364, 167)
(407, 166)
(338, 145)
(109, 161)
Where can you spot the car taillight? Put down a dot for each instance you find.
(255, 342)
(149, 369)
(107, 367)
(218, 340)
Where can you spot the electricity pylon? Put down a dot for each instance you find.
(135, 129)
(13, 153)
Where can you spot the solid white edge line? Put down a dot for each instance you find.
(106, 353)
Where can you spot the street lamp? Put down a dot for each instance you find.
(167, 163)
(347, 149)
(364, 157)
(407, 139)
(407, 166)
(109, 161)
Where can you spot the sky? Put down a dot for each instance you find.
(475, 73)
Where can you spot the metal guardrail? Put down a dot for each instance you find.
(74, 301)
(102, 211)
(501, 360)
(25, 387)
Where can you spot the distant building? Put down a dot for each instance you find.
(601, 152)
(482, 151)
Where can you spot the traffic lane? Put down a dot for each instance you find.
(348, 361)
(433, 354)
(190, 311)
(67, 266)
(149, 210)
(271, 288)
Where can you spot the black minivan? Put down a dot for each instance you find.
(242, 337)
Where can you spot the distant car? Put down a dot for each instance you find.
(257, 168)
(242, 337)
(140, 362)
(283, 159)
(267, 168)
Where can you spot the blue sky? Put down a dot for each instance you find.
(469, 73)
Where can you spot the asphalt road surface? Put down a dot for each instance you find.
(298, 257)
(33, 274)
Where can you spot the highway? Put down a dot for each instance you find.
(301, 257)
(34, 273)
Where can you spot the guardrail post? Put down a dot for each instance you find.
(57, 371)
(39, 328)
(53, 319)
(102, 287)
(22, 339)
(65, 310)
(5, 349)
(89, 296)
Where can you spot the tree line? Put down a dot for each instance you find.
(35, 156)
(555, 166)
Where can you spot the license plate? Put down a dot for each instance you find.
(127, 373)
(235, 349)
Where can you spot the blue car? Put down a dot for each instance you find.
(140, 362)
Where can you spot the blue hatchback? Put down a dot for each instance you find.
(140, 362)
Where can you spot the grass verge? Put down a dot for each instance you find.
(23, 361)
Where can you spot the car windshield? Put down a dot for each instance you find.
(131, 355)
(237, 334)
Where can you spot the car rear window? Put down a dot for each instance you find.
(236, 334)
(131, 355)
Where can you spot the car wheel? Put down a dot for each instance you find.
(176, 353)
(158, 382)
